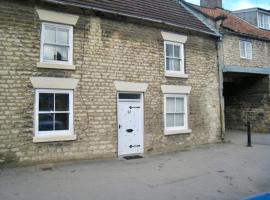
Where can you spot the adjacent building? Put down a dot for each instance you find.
(244, 60)
(89, 79)
(257, 16)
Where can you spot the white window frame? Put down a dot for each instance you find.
(70, 131)
(171, 130)
(262, 23)
(70, 38)
(245, 53)
(182, 58)
(260, 20)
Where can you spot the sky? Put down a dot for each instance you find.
(240, 4)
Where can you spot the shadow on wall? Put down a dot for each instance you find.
(247, 99)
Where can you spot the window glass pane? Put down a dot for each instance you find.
(62, 53)
(49, 34)
(129, 96)
(45, 122)
(179, 119)
(169, 63)
(260, 20)
(61, 102)
(169, 120)
(62, 36)
(177, 51)
(46, 102)
(176, 64)
(169, 50)
(265, 21)
(170, 102)
(242, 49)
(249, 50)
(180, 105)
(49, 52)
(61, 121)
(242, 45)
(268, 22)
(248, 45)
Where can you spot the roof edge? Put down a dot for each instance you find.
(250, 9)
(253, 37)
(201, 18)
(127, 15)
(246, 34)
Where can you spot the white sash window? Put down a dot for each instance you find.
(56, 43)
(174, 53)
(245, 49)
(53, 112)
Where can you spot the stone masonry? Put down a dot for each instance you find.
(247, 96)
(260, 52)
(105, 50)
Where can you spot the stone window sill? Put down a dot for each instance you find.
(55, 66)
(175, 132)
(175, 75)
(55, 138)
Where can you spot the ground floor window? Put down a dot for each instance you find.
(53, 112)
(175, 112)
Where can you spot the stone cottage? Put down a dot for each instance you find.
(90, 79)
(244, 59)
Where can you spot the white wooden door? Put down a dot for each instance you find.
(130, 124)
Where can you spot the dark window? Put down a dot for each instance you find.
(129, 96)
(53, 113)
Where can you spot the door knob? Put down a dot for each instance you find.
(129, 130)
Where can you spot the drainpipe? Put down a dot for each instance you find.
(221, 97)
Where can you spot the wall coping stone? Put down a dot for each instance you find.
(175, 132)
(55, 66)
(173, 37)
(175, 89)
(124, 86)
(57, 17)
(175, 74)
(56, 138)
(54, 83)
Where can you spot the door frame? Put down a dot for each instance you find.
(142, 119)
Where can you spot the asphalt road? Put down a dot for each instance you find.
(211, 172)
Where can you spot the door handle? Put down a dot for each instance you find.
(131, 146)
(129, 130)
(130, 107)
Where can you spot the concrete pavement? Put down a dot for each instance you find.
(211, 172)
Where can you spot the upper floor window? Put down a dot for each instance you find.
(174, 57)
(264, 21)
(174, 54)
(245, 49)
(56, 43)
